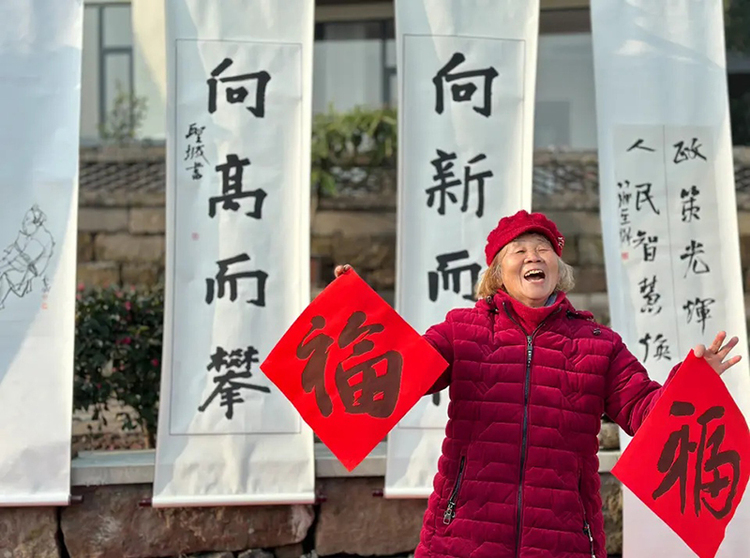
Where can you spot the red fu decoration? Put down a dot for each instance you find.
(690, 460)
(352, 367)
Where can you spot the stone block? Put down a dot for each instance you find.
(320, 245)
(609, 436)
(570, 250)
(590, 279)
(354, 223)
(147, 220)
(353, 521)
(256, 553)
(28, 533)
(743, 217)
(590, 250)
(102, 219)
(290, 551)
(130, 248)
(110, 524)
(141, 274)
(745, 251)
(611, 492)
(321, 270)
(374, 258)
(85, 247)
(98, 274)
(575, 223)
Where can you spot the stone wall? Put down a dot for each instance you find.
(122, 222)
(350, 519)
(121, 217)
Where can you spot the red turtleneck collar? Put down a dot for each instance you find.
(529, 318)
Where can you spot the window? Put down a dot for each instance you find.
(565, 105)
(354, 64)
(107, 67)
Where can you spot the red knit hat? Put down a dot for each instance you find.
(510, 228)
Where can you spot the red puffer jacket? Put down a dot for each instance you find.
(518, 476)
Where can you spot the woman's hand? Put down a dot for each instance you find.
(340, 270)
(715, 353)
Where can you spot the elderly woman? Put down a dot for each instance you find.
(530, 378)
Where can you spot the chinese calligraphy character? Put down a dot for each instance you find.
(685, 153)
(196, 169)
(695, 262)
(700, 308)
(661, 348)
(452, 274)
(639, 145)
(369, 387)
(623, 206)
(313, 375)
(447, 179)
(650, 296)
(464, 90)
(690, 211)
(648, 243)
(238, 366)
(643, 195)
(195, 130)
(194, 152)
(231, 187)
(223, 279)
(674, 462)
(238, 94)
(716, 459)
(363, 387)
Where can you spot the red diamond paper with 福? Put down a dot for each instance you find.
(352, 367)
(690, 460)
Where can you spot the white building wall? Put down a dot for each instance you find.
(348, 71)
(150, 64)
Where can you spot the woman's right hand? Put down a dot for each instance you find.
(340, 270)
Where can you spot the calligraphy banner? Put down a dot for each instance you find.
(668, 208)
(40, 85)
(239, 104)
(467, 72)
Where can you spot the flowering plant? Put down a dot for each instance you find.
(117, 354)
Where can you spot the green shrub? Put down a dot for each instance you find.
(363, 138)
(118, 354)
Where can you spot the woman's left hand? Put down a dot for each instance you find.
(715, 353)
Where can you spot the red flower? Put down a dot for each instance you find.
(155, 361)
(128, 306)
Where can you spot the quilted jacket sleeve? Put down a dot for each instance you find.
(630, 394)
(440, 336)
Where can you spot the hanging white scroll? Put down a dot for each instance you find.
(239, 102)
(40, 86)
(467, 72)
(668, 209)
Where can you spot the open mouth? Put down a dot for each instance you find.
(534, 276)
